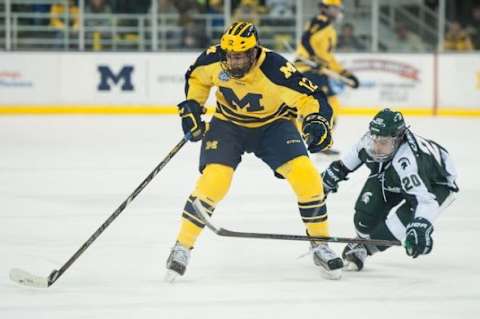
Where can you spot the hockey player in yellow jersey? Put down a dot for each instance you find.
(259, 95)
(316, 52)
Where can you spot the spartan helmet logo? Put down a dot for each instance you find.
(398, 117)
(379, 122)
(366, 197)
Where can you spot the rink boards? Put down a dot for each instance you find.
(130, 83)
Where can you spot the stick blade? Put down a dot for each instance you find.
(25, 278)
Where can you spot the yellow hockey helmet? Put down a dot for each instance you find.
(335, 3)
(239, 37)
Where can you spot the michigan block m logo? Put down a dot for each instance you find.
(107, 77)
(251, 99)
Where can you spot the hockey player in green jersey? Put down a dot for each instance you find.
(411, 181)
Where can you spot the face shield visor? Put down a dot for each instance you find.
(381, 148)
(237, 64)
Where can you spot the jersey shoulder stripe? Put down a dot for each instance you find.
(319, 22)
(282, 73)
(211, 55)
(316, 24)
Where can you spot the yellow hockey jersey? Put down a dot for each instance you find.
(271, 90)
(318, 44)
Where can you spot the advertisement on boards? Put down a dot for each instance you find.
(27, 78)
(104, 78)
(397, 80)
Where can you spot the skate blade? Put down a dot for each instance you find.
(331, 274)
(170, 276)
(349, 266)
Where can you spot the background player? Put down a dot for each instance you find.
(411, 181)
(317, 45)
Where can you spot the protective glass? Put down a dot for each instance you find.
(381, 148)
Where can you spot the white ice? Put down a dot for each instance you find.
(62, 177)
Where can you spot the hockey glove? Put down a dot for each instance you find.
(191, 113)
(352, 77)
(419, 237)
(316, 131)
(334, 173)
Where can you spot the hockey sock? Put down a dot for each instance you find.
(307, 185)
(211, 187)
(191, 225)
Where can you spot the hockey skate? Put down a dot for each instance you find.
(330, 264)
(354, 256)
(177, 262)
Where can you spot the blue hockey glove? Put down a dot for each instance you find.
(316, 130)
(334, 173)
(419, 237)
(191, 113)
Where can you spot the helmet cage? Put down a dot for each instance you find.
(382, 148)
(386, 133)
(238, 71)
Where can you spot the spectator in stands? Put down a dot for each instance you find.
(215, 7)
(193, 36)
(347, 41)
(98, 6)
(217, 20)
(279, 8)
(473, 27)
(60, 15)
(249, 11)
(406, 41)
(166, 7)
(188, 7)
(131, 6)
(97, 28)
(457, 39)
(41, 12)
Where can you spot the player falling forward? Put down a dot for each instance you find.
(411, 181)
(317, 45)
(259, 95)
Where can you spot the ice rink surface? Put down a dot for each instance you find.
(62, 177)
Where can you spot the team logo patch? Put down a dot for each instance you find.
(366, 197)
(211, 145)
(223, 76)
(404, 162)
(379, 122)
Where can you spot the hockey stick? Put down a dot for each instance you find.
(200, 210)
(25, 278)
(323, 70)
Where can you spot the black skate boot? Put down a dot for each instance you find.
(177, 262)
(354, 256)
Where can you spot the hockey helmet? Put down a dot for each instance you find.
(239, 43)
(386, 132)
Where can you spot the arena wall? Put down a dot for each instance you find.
(153, 83)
